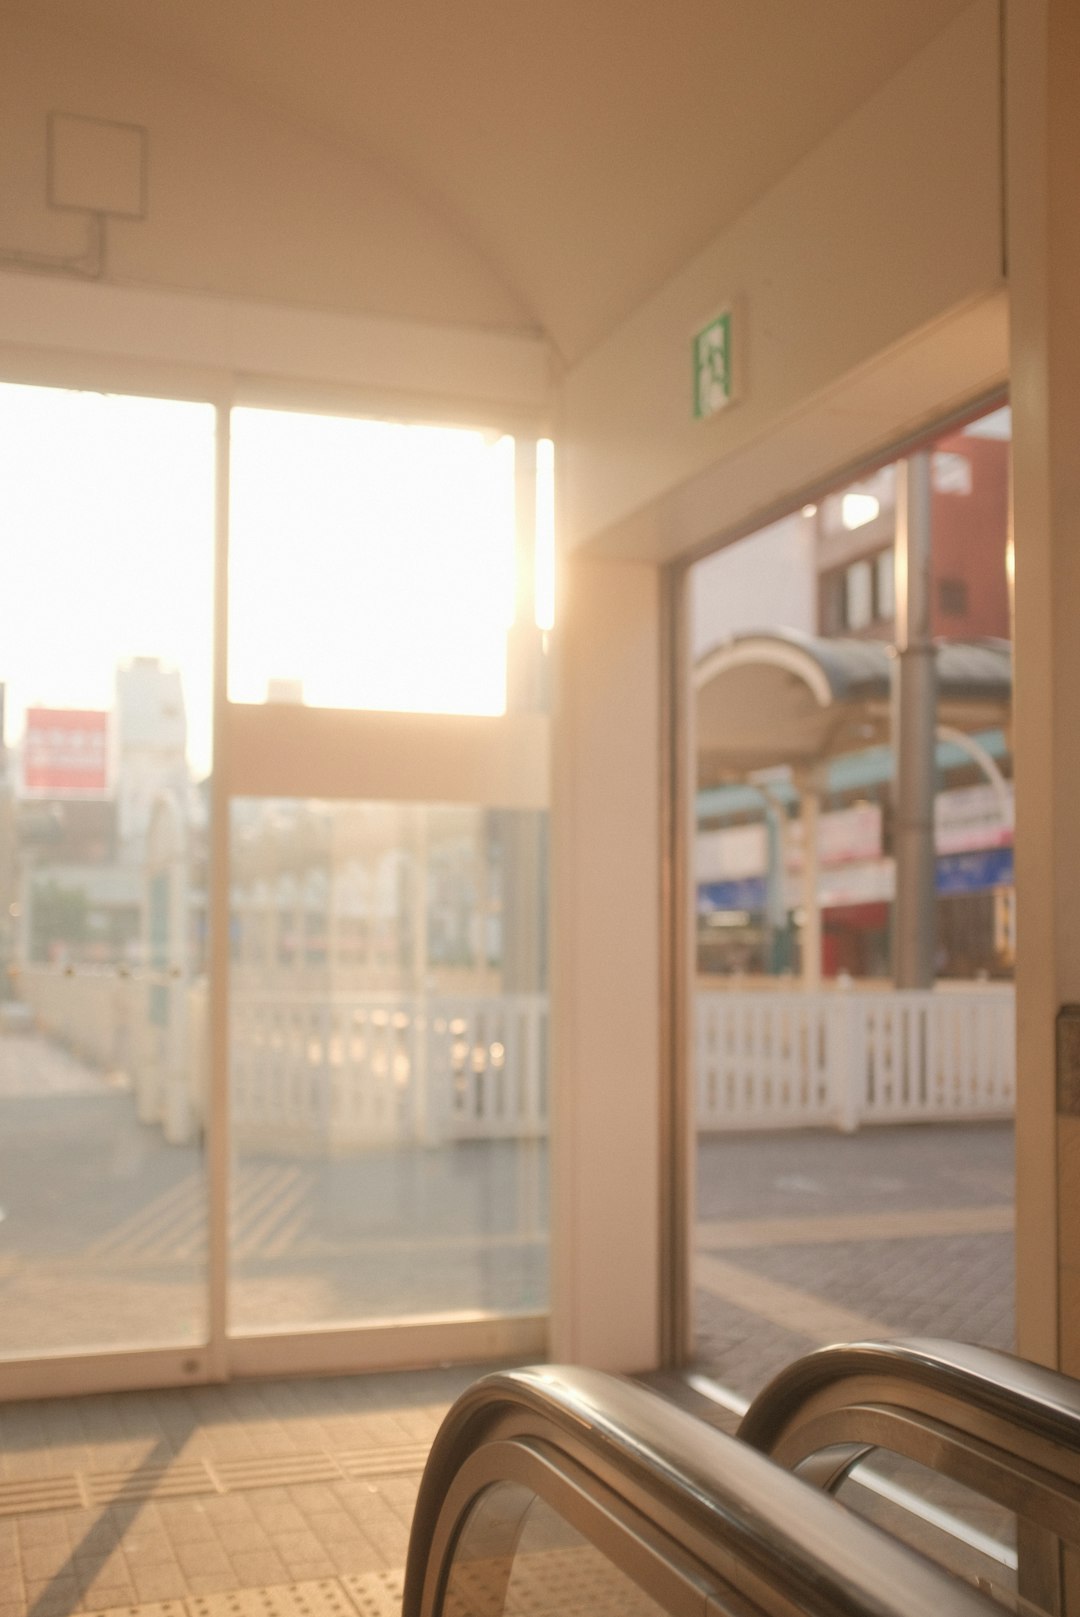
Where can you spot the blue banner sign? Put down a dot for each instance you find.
(979, 871)
(975, 872)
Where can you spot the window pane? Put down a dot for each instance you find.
(371, 564)
(800, 1031)
(106, 514)
(388, 1067)
(518, 1555)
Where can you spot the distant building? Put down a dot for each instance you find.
(829, 570)
(150, 746)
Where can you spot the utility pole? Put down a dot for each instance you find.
(810, 809)
(914, 714)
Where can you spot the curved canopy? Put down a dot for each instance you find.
(780, 697)
(543, 135)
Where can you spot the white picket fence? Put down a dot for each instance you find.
(370, 1070)
(768, 1059)
(320, 1072)
(363, 1070)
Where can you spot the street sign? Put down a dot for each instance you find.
(714, 383)
(65, 750)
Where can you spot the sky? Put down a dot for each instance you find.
(369, 560)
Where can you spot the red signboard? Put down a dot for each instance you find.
(65, 750)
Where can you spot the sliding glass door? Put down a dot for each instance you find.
(387, 970)
(106, 612)
(273, 870)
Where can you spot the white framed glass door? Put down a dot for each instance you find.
(387, 1023)
(106, 635)
(273, 1033)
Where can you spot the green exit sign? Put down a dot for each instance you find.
(714, 384)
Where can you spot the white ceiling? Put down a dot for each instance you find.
(588, 148)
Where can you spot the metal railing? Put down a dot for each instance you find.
(697, 1521)
(1005, 1429)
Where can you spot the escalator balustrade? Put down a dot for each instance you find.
(566, 1491)
(969, 1454)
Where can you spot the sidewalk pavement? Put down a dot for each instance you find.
(810, 1237)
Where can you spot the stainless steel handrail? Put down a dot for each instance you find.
(1005, 1429)
(699, 1520)
(1008, 1429)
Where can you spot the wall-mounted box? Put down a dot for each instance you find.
(97, 166)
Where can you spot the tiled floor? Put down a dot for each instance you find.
(317, 1238)
(303, 1488)
(812, 1237)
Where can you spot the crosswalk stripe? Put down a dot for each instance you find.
(267, 1201)
(148, 1218)
(252, 1240)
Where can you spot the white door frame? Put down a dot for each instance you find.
(296, 752)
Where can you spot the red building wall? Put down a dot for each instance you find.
(970, 583)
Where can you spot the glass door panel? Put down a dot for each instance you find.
(107, 529)
(371, 564)
(388, 994)
(388, 1063)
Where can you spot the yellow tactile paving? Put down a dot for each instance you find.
(728, 1235)
(783, 1305)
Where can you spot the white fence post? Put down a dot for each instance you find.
(772, 1058)
(847, 1057)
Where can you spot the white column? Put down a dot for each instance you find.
(606, 885)
(524, 662)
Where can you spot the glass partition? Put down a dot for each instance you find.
(552, 1568)
(854, 1173)
(388, 1089)
(963, 1531)
(269, 1065)
(106, 521)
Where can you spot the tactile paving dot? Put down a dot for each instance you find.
(324, 1597)
(575, 1582)
(153, 1608)
(376, 1594)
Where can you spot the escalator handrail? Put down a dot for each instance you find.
(1004, 1399)
(720, 1503)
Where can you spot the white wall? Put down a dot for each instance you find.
(242, 200)
(767, 581)
(882, 245)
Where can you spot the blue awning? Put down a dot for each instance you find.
(781, 698)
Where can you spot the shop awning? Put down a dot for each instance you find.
(770, 699)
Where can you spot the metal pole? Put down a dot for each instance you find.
(776, 913)
(913, 731)
(810, 799)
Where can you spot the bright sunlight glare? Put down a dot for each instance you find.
(106, 528)
(370, 562)
(545, 534)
